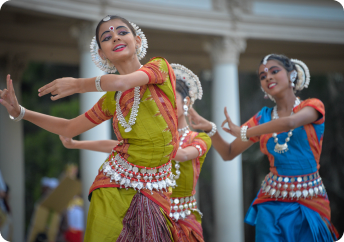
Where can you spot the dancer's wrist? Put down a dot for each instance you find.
(209, 127)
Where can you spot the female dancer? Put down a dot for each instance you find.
(187, 163)
(292, 204)
(141, 101)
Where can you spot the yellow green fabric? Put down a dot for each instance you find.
(186, 179)
(150, 138)
(107, 210)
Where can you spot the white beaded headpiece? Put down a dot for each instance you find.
(304, 77)
(106, 65)
(191, 80)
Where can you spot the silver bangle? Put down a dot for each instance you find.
(213, 129)
(243, 133)
(20, 116)
(99, 89)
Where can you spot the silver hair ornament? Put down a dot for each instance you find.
(303, 74)
(191, 80)
(106, 65)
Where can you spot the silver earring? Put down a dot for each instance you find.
(138, 50)
(293, 76)
(185, 107)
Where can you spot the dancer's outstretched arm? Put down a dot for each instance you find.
(69, 128)
(67, 86)
(106, 146)
(229, 151)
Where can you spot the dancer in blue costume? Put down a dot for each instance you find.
(292, 204)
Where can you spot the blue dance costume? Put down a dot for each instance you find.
(292, 204)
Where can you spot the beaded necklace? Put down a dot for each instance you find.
(134, 110)
(282, 148)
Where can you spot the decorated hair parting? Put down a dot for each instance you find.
(301, 75)
(106, 65)
(191, 80)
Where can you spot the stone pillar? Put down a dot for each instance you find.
(12, 147)
(90, 160)
(228, 201)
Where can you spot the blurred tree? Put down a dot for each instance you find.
(44, 153)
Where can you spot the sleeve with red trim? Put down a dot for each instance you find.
(103, 110)
(157, 70)
(202, 143)
(317, 105)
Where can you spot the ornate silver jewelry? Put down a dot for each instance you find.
(185, 107)
(282, 187)
(293, 76)
(181, 207)
(129, 175)
(213, 129)
(282, 148)
(266, 96)
(98, 87)
(185, 131)
(106, 65)
(134, 110)
(20, 116)
(107, 18)
(243, 133)
(191, 80)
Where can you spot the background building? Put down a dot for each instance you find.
(216, 39)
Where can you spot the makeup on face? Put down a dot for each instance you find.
(121, 30)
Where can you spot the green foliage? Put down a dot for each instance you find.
(44, 152)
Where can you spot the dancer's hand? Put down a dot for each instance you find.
(61, 88)
(196, 121)
(232, 128)
(69, 143)
(9, 99)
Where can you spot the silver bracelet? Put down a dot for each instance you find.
(20, 116)
(99, 89)
(243, 133)
(213, 129)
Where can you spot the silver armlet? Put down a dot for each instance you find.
(243, 133)
(20, 116)
(99, 89)
(213, 129)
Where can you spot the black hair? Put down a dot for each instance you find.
(286, 62)
(113, 17)
(182, 88)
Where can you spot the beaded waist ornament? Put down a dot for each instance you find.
(181, 207)
(129, 175)
(293, 187)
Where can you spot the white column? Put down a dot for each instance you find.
(12, 150)
(90, 160)
(228, 202)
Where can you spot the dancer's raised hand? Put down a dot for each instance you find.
(196, 121)
(232, 128)
(9, 99)
(61, 88)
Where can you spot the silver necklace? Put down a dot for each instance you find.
(132, 119)
(282, 148)
(185, 131)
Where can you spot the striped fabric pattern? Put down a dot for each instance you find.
(144, 221)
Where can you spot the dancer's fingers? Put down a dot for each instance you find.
(46, 88)
(224, 122)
